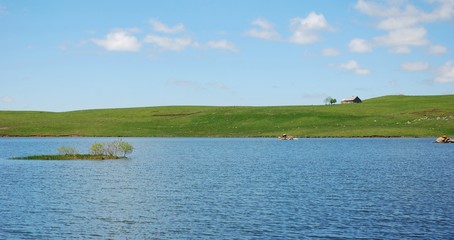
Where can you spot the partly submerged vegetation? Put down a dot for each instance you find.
(390, 116)
(99, 151)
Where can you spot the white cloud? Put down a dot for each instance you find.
(119, 40)
(414, 66)
(305, 30)
(161, 27)
(400, 50)
(350, 65)
(360, 45)
(330, 52)
(404, 37)
(437, 49)
(167, 43)
(404, 21)
(7, 99)
(402, 14)
(304, 37)
(398, 22)
(446, 73)
(222, 44)
(179, 43)
(354, 67)
(313, 21)
(361, 71)
(263, 29)
(124, 40)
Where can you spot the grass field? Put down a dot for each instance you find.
(389, 116)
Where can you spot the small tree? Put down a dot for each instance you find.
(67, 150)
(112, 148)
(327, 100)
(97, 149)
(125, 147)
(332, 101)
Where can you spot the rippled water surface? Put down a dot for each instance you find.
(196, 188)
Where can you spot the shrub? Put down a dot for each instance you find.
(112, 149)
(125, 147)
(97, 149)
(67, 150)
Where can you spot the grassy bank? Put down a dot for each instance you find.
(394, 116)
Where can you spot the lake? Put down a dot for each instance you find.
(230, 188)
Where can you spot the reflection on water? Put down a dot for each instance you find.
(174, 188)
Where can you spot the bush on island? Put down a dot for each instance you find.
(98, 151)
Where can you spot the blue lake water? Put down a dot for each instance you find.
(233, 188)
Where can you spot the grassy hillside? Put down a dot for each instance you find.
(410, 116)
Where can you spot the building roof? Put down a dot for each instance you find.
(351, 98)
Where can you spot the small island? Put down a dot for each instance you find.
(98, 151)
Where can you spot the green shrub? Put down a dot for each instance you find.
(97, 149)
(125, 147)
(67, 150)
(112, 148)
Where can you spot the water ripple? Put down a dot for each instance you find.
(231, 189)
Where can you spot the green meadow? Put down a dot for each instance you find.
(389, 116)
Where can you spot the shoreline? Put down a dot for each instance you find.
(300, 137)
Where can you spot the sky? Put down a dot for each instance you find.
(73, 55)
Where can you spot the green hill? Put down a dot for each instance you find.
(394, 116)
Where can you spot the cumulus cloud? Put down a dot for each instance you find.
(119, 40)
(437, 49)
(354, 67)
(164, 42)
(222, 44)
(402, 14)
(414, 66)
(446, 73)
(164, 38)
(161, 27)
(360, 45)
(263, 29)
(305, 30)
(404, 38)
(330, 52)
(170, 44)
(400, 49)
(404, 22)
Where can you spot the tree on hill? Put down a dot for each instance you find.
(330, 100)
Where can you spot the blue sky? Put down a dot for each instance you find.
(71, 55)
